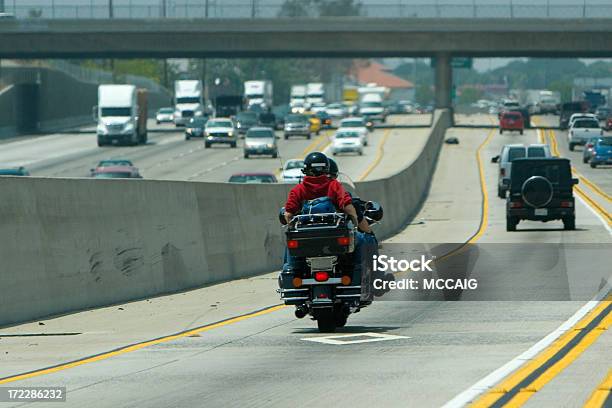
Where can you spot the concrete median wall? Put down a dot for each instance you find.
(63, 100)
(71, 244)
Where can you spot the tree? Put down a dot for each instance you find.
(469, 95)
(424, 94)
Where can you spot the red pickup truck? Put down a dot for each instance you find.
(511, 121)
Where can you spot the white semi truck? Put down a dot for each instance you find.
(298, 95)
(121, 114)
(188, 100)
(315, 93)
(258, 93)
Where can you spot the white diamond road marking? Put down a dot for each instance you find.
(343, 339)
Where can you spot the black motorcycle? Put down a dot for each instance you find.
(328, 280)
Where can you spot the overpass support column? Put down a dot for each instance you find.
(444, 82)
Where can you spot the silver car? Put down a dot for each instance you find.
(260, 141)
(508, 154)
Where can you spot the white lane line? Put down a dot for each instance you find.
(488, 382)
(218, 166)
(343, 339)
(596, 214)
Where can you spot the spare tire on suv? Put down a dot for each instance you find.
(541, 189)
(537, 191)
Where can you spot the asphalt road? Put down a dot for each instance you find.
(439, 348)
(168, 156)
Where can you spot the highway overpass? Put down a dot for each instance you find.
(322, 37)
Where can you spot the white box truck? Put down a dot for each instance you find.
(258, 93)
(315, 93)
(121, 114)
(297, 96)
(188, 100)
(371, 100)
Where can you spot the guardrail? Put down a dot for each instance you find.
(275, 8)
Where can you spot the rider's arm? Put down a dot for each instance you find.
(352, 212)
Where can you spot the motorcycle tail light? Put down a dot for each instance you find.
(516, 204)
(321, 276)
(567, 204)
(322, 296)
(292, 243)
(344, 241)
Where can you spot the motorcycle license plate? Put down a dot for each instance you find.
(541, 211)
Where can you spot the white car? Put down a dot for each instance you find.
(220, 130)
(292, 171)
(336, 110)
(580, 115)
(165, 115)
(355, 124)
(347, 141)
(508, 154)
(581, 130)
(298, 107)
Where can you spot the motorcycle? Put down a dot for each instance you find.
(328, 279)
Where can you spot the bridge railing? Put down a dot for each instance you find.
(274, 8)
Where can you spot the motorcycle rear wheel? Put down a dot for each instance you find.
(326, 320)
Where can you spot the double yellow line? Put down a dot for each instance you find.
(516, 389)
(524, 383)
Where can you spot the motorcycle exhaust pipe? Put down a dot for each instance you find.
(300, 312)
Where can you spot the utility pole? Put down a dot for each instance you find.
(253, 8)
(110, 9)
(163, 8)
(2, 6)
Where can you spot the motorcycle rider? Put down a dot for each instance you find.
(317, 183)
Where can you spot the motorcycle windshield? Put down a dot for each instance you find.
(347, 183)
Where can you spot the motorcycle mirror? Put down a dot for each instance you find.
(495, 159)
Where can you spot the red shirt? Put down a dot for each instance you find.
(313, 187)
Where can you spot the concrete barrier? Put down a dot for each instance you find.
(71, 244)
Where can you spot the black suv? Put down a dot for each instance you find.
(541, 190)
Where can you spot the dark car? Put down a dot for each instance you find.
(326, 120)
(268, 119)
(245, 120)
(195, 127)
(602, 152)
(18, 171)
(541, 190)
(253, 178)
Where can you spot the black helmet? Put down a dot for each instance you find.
(316, 164)
(333, 168)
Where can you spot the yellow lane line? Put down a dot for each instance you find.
(484, 219)
(519, 377)
(601, 393)
(379, 155)
(137, 346)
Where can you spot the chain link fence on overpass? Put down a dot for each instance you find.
(101, 9)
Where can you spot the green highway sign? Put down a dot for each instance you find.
(457, 62)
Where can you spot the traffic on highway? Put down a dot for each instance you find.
(222, 228)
